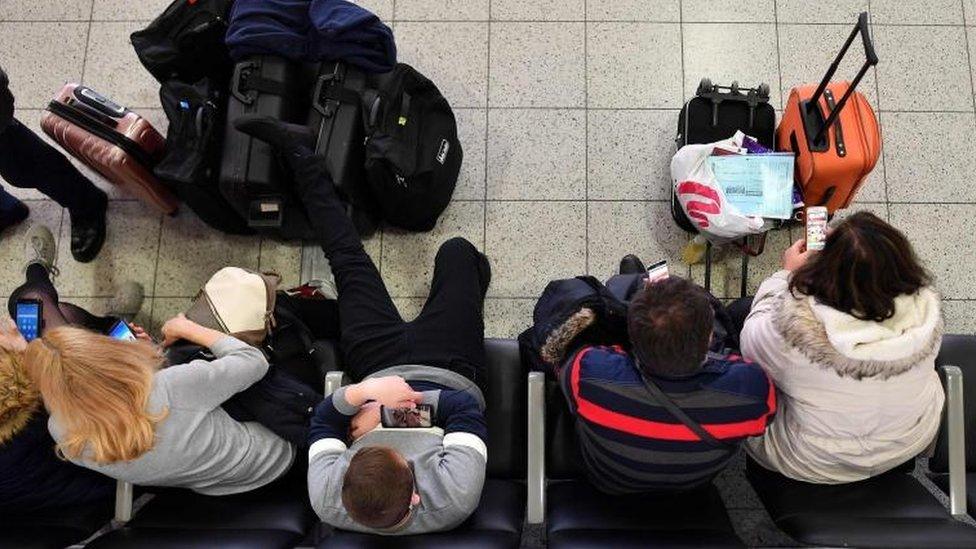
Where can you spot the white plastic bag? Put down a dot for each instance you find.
(702, 198)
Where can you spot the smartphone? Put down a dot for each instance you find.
(419, 417)
(658, 271)
(121, 331)
(29, 318)
(816, 228)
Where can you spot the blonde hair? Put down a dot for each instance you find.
(97, 388)
(19, 398)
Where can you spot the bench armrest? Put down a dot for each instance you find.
(333, 380)
(123, 501)
(955, 425)
(536, 505)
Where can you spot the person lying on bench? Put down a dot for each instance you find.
(428, 372)
(629, 405)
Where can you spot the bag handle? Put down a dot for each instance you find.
(680, 415)
(871, 60)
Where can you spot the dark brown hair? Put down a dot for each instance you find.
(377, 487)
(670, 326)
(864, 266)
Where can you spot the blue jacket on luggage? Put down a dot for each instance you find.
(311, 30)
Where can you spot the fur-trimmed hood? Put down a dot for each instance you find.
(557, 343)
(858, 348)
(19, 399)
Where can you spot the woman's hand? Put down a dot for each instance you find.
(140, 333)
(796, 255)
(10, 338)
(367, 419)
(180, 327)
(391, 391)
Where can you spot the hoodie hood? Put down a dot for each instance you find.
(19, 399)
(861, 348)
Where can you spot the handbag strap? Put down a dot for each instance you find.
(681, 416)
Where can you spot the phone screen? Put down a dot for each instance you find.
(122, 332)
(657, 271)
(421, 416)
(29, 319)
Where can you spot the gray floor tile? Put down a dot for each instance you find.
(190, 253)
(60, 47)
(879, 209)
(284, 258)
(806, 52)
(932, 12)
(943, 237)
(507, 318)
(633, 10)
(537, 65)
(642, 228)
(454, 10)
(45, 10)
(715, 51)
(923, 62)
(163, 309)
(971, 40)
(129, 253)
(553, 10)
(409, 307)
(634, 65)
(873, 189)
(822, 11)
(471, 132)
(537, 154)
(527, 248)
(629, 154)
(100, 306)
(383, 8)
(727, 266)
(113, 69)
(960, 316)
(969, 11)
(408, 258)
(453, 55)
(930, 157)
(723, 11)
(12, 258)
(127, 10)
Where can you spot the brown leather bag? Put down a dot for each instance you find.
(112, 140)
(837, 142)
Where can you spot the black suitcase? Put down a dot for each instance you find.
(251, 178)
(336, 118)
(716, 113)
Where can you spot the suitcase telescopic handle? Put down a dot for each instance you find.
(870, 61)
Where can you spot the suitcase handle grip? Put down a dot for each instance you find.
(871, 60)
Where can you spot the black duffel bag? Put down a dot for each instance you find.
(186, 42)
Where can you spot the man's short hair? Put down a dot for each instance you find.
(377, 487)
(670, 326)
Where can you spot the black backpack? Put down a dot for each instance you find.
(191, 164)
(413, 155)
(186, 42)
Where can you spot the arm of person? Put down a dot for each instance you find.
(327, 464)
(461, 471)
(208, 384)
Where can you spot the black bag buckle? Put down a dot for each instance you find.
(325, 100)
(239, 83)
(266, 212)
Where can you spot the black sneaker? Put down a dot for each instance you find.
(88, 232)
(631, 264)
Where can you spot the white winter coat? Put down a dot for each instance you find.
(855, 398)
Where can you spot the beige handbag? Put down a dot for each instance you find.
(238, 302)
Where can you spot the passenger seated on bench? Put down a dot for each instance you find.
(32, 476)
(629, 439)
(115, 412)
(849, 335)
(380, 480)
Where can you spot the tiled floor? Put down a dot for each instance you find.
(567, 111)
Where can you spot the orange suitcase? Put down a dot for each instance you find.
(837, 143)
(112, 140)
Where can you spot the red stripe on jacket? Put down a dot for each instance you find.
(664, 431)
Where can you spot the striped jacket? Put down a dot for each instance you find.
(630, 443)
